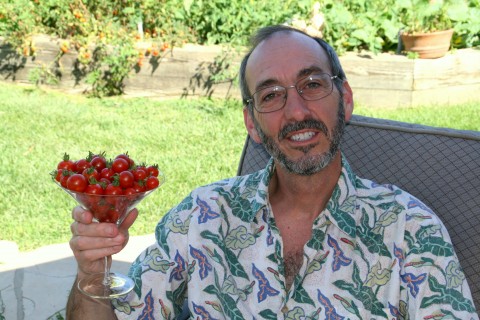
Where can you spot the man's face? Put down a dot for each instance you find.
(310, 163)
(304, 136)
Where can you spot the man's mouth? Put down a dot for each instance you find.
(302, 136)
(303, 130)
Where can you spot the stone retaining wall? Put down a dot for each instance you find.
(383, 80)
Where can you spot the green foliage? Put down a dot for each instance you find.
(427, 16)
(109, 67)
(466, 26)
(45, 74)
(233, 22)
(90, 28)
(357, 25)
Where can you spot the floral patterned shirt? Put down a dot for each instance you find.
(376, 252)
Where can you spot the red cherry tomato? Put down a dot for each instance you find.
(94, 189)
(66, 163)
(111, 216)
(151, 183)
(112, 189)
(126, 157)
(57, 174)
(140, 174)
(99, 163)
(82, 164)
(104, 181)
(129, 191)
(107, 173)
(77, 182)
(120, 164)
(153, 170)
(91, 173)
(139, 186)
(63, 180)
(126, 179)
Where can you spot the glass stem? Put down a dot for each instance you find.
(106, 278)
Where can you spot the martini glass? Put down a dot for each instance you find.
(113, 209)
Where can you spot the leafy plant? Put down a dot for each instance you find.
(92, 28)
(423, 16)
(108, 68)
(467, 25)
(358, 25)
(45, 74)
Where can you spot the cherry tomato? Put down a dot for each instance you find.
(111, 216)
(112, 189)
(126, 157)
(57, 174)
(126, 179)
(151, 183)
(120, 164)
(139, 186)
(99, 163)
(94, 189)
(77, 182)
(104, 181)
(91, 173)
(63, 180)
(107, 173)
(129, 191)
(66, 163)
(140, 174)
(153, 170)
(82, 164)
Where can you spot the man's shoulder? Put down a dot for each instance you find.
(371, 190)
(392, 198)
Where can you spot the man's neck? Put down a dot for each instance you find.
(306, 196)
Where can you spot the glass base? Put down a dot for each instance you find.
(93, 286)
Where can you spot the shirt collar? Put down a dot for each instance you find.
(340, 209)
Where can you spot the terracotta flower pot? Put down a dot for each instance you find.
(428, 45)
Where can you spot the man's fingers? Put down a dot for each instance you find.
(129, 220)
(81, 215)
(80, 243)
(108, 230)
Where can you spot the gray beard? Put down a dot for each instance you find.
(307, 165)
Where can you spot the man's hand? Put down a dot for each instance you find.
(90, 243)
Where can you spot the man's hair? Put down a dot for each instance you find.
(266, 33)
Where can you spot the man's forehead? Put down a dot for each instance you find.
(286, 52)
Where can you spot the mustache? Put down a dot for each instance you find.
(301, 125)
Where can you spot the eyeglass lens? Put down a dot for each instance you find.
(313, 87)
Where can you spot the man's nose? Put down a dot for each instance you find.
(295, 106)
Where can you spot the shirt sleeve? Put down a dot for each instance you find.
(160, 272)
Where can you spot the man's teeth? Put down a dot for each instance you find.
(302, 136)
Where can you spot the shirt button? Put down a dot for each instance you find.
(284, 309)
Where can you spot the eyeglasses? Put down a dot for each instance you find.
(314, 87)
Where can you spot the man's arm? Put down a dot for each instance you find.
(82, 307)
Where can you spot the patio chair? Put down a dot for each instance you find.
(439, 166)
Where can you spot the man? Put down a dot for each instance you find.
(304, 238)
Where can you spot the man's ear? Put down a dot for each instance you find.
(250, 125)
(347, 100)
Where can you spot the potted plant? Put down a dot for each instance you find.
(428, 25)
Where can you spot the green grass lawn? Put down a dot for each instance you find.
(193, 141)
